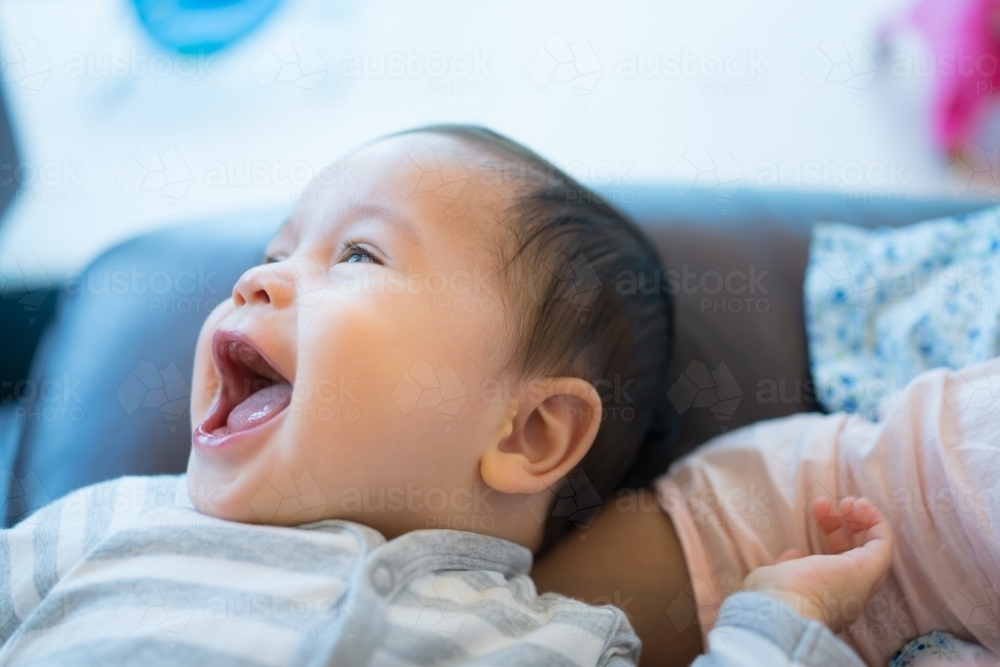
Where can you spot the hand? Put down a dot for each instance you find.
(834, 588)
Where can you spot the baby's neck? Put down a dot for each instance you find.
(499, 515)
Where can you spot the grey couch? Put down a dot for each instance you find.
(111, 377)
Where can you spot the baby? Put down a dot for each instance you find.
(426, 348)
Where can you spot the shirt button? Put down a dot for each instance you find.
(382, 578)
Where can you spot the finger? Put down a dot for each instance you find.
(874, 555)
(839, 537)
(861, 515)
(873, 560)
(827, 514)
(789, 554)
(878, 527)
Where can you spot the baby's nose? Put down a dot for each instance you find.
(265, 284)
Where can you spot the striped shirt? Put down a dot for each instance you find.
(128, 572)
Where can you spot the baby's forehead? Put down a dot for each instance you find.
(437, 182)
(450, 169)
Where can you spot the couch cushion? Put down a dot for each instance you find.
(117, 359)
(735, 269)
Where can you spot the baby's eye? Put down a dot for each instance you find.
(358, 253)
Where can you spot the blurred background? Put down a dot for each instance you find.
(125, 116)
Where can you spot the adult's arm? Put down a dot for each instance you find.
(630, 557)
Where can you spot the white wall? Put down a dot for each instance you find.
(89, 139)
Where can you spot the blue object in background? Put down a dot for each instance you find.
(202, 26)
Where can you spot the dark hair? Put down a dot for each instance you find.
(578, 313)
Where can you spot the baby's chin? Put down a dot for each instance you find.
(244, 500)
(216, 497)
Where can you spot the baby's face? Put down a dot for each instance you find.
(351, 375)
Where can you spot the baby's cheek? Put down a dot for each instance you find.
(352, 362)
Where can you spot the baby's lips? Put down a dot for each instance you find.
(230, 422)
(251, 391)
(241, 363)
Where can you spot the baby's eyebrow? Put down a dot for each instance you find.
(357, 211)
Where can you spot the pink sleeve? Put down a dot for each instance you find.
(933, 468)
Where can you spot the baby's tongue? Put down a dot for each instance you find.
(259, 407)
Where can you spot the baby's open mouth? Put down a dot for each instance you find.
(252, 391)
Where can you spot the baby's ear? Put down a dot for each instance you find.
(553, 424)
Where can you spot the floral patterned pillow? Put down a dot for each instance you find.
(884, 305)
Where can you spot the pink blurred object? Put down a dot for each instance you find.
(964, 37)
